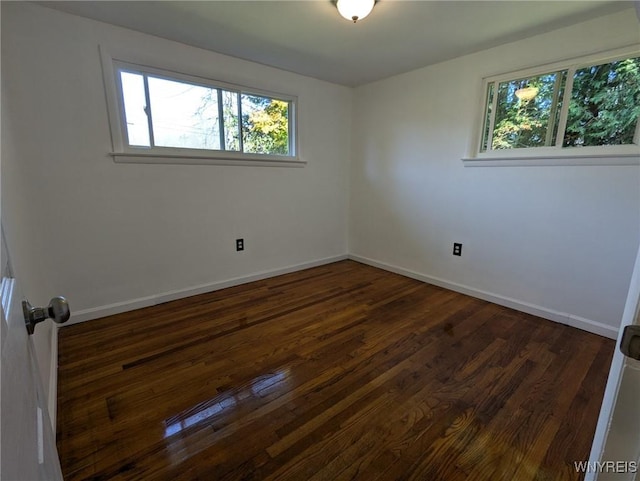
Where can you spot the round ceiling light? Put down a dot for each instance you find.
(526, 93)
(355, 9)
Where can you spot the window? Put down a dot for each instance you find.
(526, 112)
(590, 108)
(162, 116)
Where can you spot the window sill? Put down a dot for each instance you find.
(176, 159)
(552, 160)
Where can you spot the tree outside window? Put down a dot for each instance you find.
(603, 108)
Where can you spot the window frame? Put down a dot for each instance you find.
(628, 154)
(124, 153)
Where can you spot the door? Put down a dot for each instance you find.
(615, 453)
(27, 443)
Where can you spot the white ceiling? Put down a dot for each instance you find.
(310, 38)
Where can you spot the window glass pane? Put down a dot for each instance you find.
(165, 110)
(230, 115)
(605, 104)
(134, 109)
(523, 110)
(487, 118)
(265, 125)
(184, 115)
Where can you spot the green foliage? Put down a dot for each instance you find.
(265, 122)
(265, 126)
(605, 104)
(603, 110)
(525, 122)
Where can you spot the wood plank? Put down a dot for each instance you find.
(343, 371)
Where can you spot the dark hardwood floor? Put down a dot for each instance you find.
(339, 372)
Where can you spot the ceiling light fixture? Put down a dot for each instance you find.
(355, 9)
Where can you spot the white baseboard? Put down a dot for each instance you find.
(130, 305)
(119, 307)
(116, 308)
(561, 317)
(53, 379)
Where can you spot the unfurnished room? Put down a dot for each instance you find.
(320, 240)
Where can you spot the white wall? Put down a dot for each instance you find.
(557, 241)
(106, 234)
(103, 233)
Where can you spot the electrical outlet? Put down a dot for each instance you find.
(457, 249)
(239, 244)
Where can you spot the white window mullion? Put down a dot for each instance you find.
(291, 121)
(492, 117)
(564, 112)
(551, 126)
(124, 139)
(148, 110)
(223, 145)
(240, 140)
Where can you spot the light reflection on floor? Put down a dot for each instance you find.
(261, 386)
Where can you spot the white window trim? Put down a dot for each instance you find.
(591, 155)
(123, 153)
